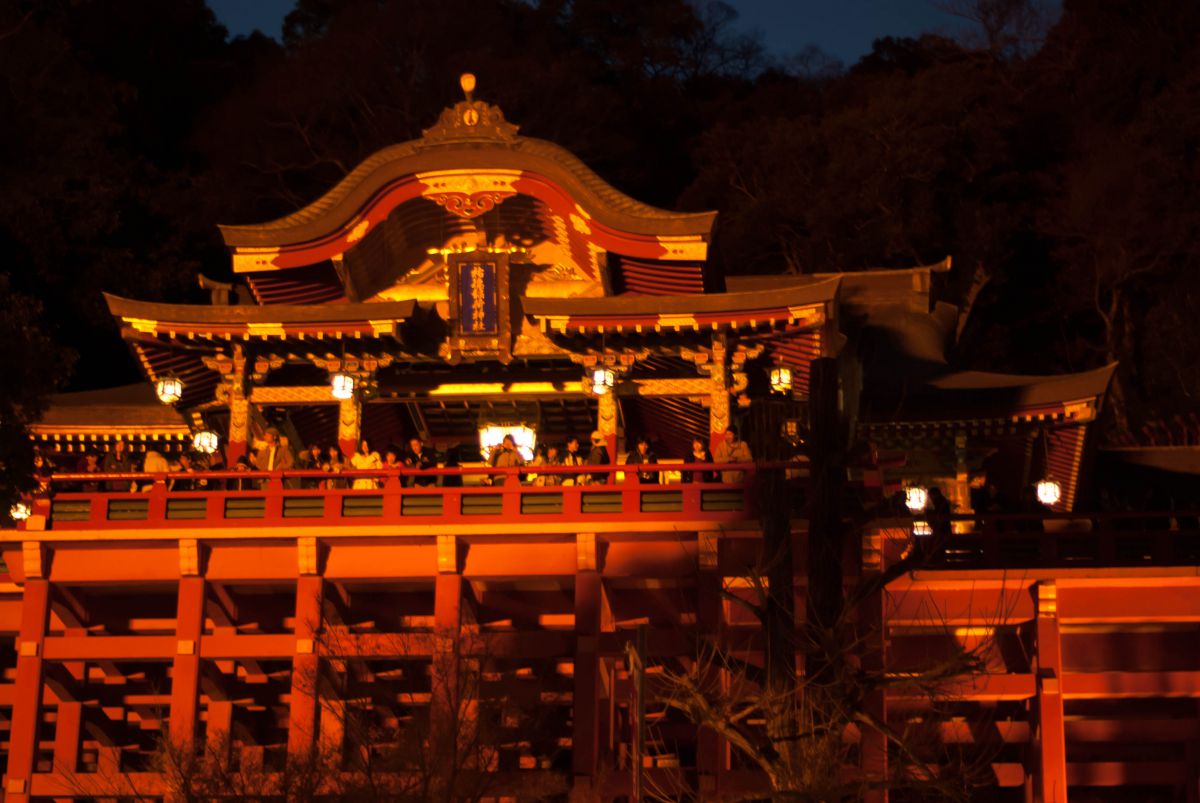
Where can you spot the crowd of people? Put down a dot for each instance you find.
(275, 454)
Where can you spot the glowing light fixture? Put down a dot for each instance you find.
(342, 386)
(205, 441)
(602, 381)
(915, 498)
(492, 435)
(922, 528)
(169, 389)
(1049, 492)
(781, 379)
(20, 511)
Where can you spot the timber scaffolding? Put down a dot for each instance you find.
(205, 615)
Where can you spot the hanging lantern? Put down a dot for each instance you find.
(602, 381)
(781, 379)
(922, 528)
(342, 386)
(523, 435)
(205, 441)
(20, 511)
(915, 498)
(169, 389)
(1049, 492)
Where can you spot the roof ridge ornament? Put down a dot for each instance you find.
(470, 120)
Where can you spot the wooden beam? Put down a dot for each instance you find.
(302, 723)
(23, 733)
(185, 675)
(1051, 772)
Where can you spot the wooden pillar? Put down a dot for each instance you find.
(589, 606)
(446, 708)
(302, 718)
(185, 676)
(1191, 748)
(27, 691)
(349, 425)
(239, 409)
(606, 422)
(873, 638)
(1050, 785)
(718, 398)
(711, 749)
(66, 736)
(219, 726)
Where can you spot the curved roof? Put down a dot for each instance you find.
(491, 144)
(764, 301)
(245, 315)
(120, 410)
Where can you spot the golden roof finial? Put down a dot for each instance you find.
(467, 82)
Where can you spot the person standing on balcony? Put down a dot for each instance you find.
(364, 458)
(572, 458)
(333, 463)
(598, 456)
(939, 509)
(421, 459)
(274, 455)
(548, 456)
(699, 454)
(90, 465)
(505, 455)
(42, 471)
(311, 461)
(733, 450)
(118, 461)
(642, 456)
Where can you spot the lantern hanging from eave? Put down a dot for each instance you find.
(1049, 492)
(169, 389)
(781, 379)
(603, 380)
(205, 441)
(915, 498)
(342, 386)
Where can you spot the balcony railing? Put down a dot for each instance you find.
(1049, 540)
(464, 495)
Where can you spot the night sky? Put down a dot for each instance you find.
(842, 28)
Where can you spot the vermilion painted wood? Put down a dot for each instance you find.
(23, 731)
(507, 486)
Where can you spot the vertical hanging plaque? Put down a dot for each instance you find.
(478, 310)
(479, 307)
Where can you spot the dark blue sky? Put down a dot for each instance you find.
(842, 28)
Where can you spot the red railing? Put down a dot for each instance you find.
(1049, 540)
(280, 498)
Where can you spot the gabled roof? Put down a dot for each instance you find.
(979, 395)
(131, 411)
(469, 165)
(250, 320)
(695, 310)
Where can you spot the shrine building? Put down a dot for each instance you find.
(475, 284)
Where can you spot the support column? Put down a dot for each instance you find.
(445, 704)
(66, 736)
(606, 422)
(239, 409)
(585, 742)
(718, 398)
(185, 676)
(873, 637)
(1050, 785)
(27, 691)
(349, 425)
(302, 718)
(711, 749)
